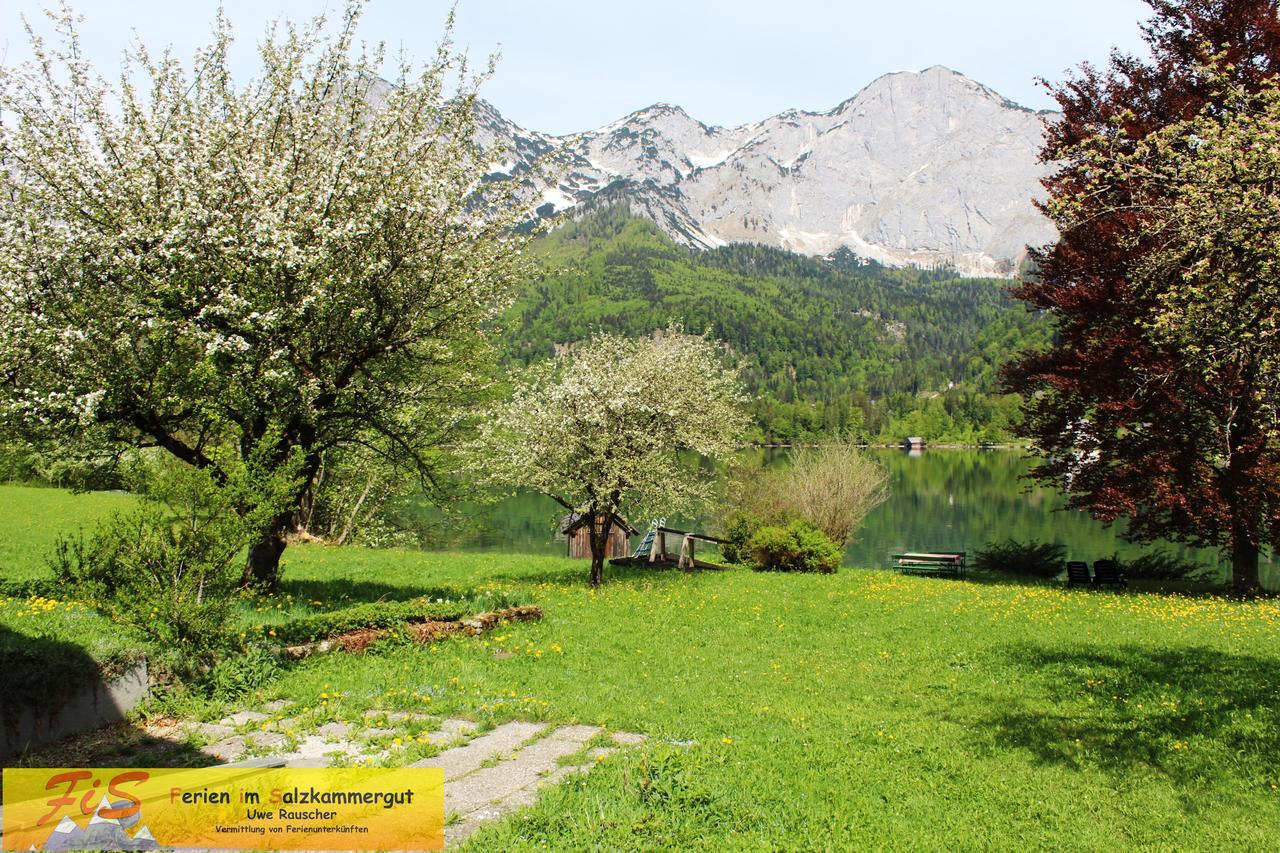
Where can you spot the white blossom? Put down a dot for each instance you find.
(187, 259)
(603, 429)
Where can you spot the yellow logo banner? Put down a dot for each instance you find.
(222, 807)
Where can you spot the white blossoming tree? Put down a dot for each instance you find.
(602, 429)
(300, 262)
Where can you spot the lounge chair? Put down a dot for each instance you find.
(1078, 573)
(1107, 573)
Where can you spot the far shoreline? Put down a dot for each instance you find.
(897, 446)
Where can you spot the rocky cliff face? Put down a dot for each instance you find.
(918, 168)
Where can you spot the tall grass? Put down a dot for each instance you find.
(832, 487)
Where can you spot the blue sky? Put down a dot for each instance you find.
(571, 65)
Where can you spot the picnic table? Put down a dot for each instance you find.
(930, 562)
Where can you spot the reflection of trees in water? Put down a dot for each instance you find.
(963, 499)
(523, 522)
(941, 499)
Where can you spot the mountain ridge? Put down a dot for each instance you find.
(927, 168)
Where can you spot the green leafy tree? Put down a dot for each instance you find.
(601, 429)
(1157, 400)
(302, 262)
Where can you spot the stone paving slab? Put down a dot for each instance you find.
(486, 777)
(210, 731)
(457, 728)
(268, 740)
(228, 749)
(314, 746)
(319, 746)
(307, 762)
(457, 831)
(461, 760)
(577, 734)
(528, 795)
(516, 782)
(337, 731)
(368, 734)
(405, 716)
(525, 768)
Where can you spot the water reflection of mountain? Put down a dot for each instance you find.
(944, 499)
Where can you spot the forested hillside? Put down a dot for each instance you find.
(831, 346)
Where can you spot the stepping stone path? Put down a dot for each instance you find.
(485, 776)
(529, 758)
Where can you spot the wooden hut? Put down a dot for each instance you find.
(915, 442)
(574, 526)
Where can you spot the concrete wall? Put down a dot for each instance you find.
(93, 704)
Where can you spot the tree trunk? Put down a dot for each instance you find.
(1244, 465)
(263, 566)
(262, 569)
(1244, 563)
(599, 537)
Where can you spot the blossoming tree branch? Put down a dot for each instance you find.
(602, 429)
(299, 263)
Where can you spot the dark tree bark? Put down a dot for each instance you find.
(262, 569)
(1247, 502)
(599, 537)
(1244, 564)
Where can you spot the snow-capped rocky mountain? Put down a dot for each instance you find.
(917, 168)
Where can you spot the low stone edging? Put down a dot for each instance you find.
(423, 632)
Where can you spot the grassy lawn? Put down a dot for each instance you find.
(862, 709)
(811, 712)
(32, 519)
(47, 636)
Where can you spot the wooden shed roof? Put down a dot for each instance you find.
(574, 520)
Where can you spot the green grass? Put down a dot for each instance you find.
(49, 645)
(47, 639)
(856, 710)
(32, 519)
(863, 708)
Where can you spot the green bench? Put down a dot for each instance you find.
(930, 563)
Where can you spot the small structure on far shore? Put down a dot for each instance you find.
(574, 526)
(915, 442)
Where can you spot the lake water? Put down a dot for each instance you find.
(940, 500)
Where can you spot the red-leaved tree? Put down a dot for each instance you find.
(1126, 422)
